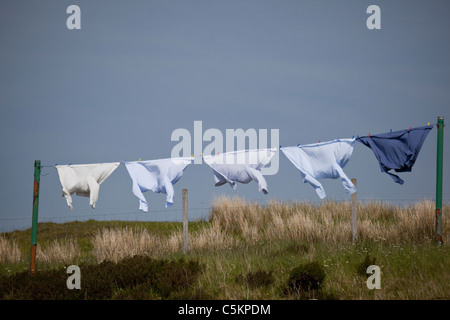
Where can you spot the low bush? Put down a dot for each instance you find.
(254, 279)
(136, 277)
(361, 268)
(306, 277)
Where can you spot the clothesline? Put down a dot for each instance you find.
(298, 145)
(396, 151)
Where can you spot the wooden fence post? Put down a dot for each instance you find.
(185, 222)
(354, 215)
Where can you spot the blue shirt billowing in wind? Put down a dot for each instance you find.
(397, 150)
(158, 176)
(322, 160)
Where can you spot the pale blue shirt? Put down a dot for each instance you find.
(322, 160)
(240, 166)
(158, 176)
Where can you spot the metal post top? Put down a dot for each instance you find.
(441, 118)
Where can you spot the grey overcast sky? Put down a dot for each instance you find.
(137, 70)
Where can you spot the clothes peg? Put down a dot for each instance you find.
(319, 141)
(368, 134)
(139, 160)
(280, 146)
(409, 128)
(428, 123)
(298, 145)
(390, 131)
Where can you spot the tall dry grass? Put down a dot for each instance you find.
(235, 221)
(118, 243)
(9, 250)
(59, 250)
(114, 244)
(64, 250)
(329, 221)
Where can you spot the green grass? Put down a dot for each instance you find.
(245, 256)
(408, 271)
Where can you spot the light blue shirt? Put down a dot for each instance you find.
(322, 160)
(240, 166)
(158, 176)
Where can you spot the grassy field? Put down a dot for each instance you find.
(250, 251)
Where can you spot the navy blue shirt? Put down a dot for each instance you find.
(397, 150)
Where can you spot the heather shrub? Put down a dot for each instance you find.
(138, 277)
(361, 268)
(306, 277)
(258, 278)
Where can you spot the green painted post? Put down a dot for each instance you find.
(439, 164)
(37, 175)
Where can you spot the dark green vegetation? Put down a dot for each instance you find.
(137, 277)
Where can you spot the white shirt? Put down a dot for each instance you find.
(240, 166)
(323, 160)
(84, 180)
(158, 176)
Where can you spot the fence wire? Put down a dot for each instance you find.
(197, 213)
